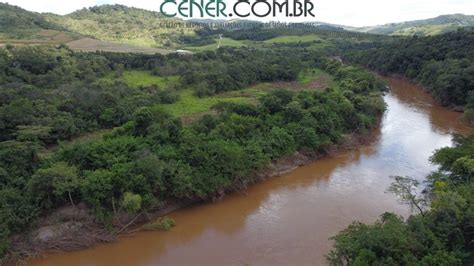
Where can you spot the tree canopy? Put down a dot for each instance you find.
(51, 94)
(442, 63)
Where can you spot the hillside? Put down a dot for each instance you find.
(424, 27)
(116, 25)
(18, 23)
(107, 28)
(124, 25)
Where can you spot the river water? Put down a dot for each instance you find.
(288, 220)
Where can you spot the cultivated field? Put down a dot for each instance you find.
(289, 39)
(92, 45)
(55, 36)
(225, 42)
(81, 44)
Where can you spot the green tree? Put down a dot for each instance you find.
(64, 127)
(18, 210)
(51, 185)
(387, 242)
(406, 189)
(98, 188)
(279, 143)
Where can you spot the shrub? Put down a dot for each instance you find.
(132, 203)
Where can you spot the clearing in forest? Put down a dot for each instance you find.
(293, 38)
(224, 42)
(310, 79)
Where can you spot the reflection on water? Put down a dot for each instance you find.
(288, 220)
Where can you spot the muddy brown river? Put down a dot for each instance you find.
(288, 220)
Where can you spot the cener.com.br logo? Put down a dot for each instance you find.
(238, 8)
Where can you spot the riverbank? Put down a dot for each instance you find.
(75, 228)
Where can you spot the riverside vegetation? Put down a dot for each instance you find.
(442, 64)
(441, 233)
(49, 95)
(441, 230)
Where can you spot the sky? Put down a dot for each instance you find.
(344, 12)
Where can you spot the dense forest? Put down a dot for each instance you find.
(442, 232)
(443, 64)
(49, 94)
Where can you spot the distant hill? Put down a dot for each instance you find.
(18, 23)
(142, 28)
(425, 27)
(123, 24)
(432, 26)
(107, 28)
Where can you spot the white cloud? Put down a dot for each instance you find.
(346, 12)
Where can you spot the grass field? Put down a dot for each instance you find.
(231, 42)
(289, 39)
(190, 104)
(313, 75)
(224, 42)
(54, 36)
(310, 79)
(137, 78)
